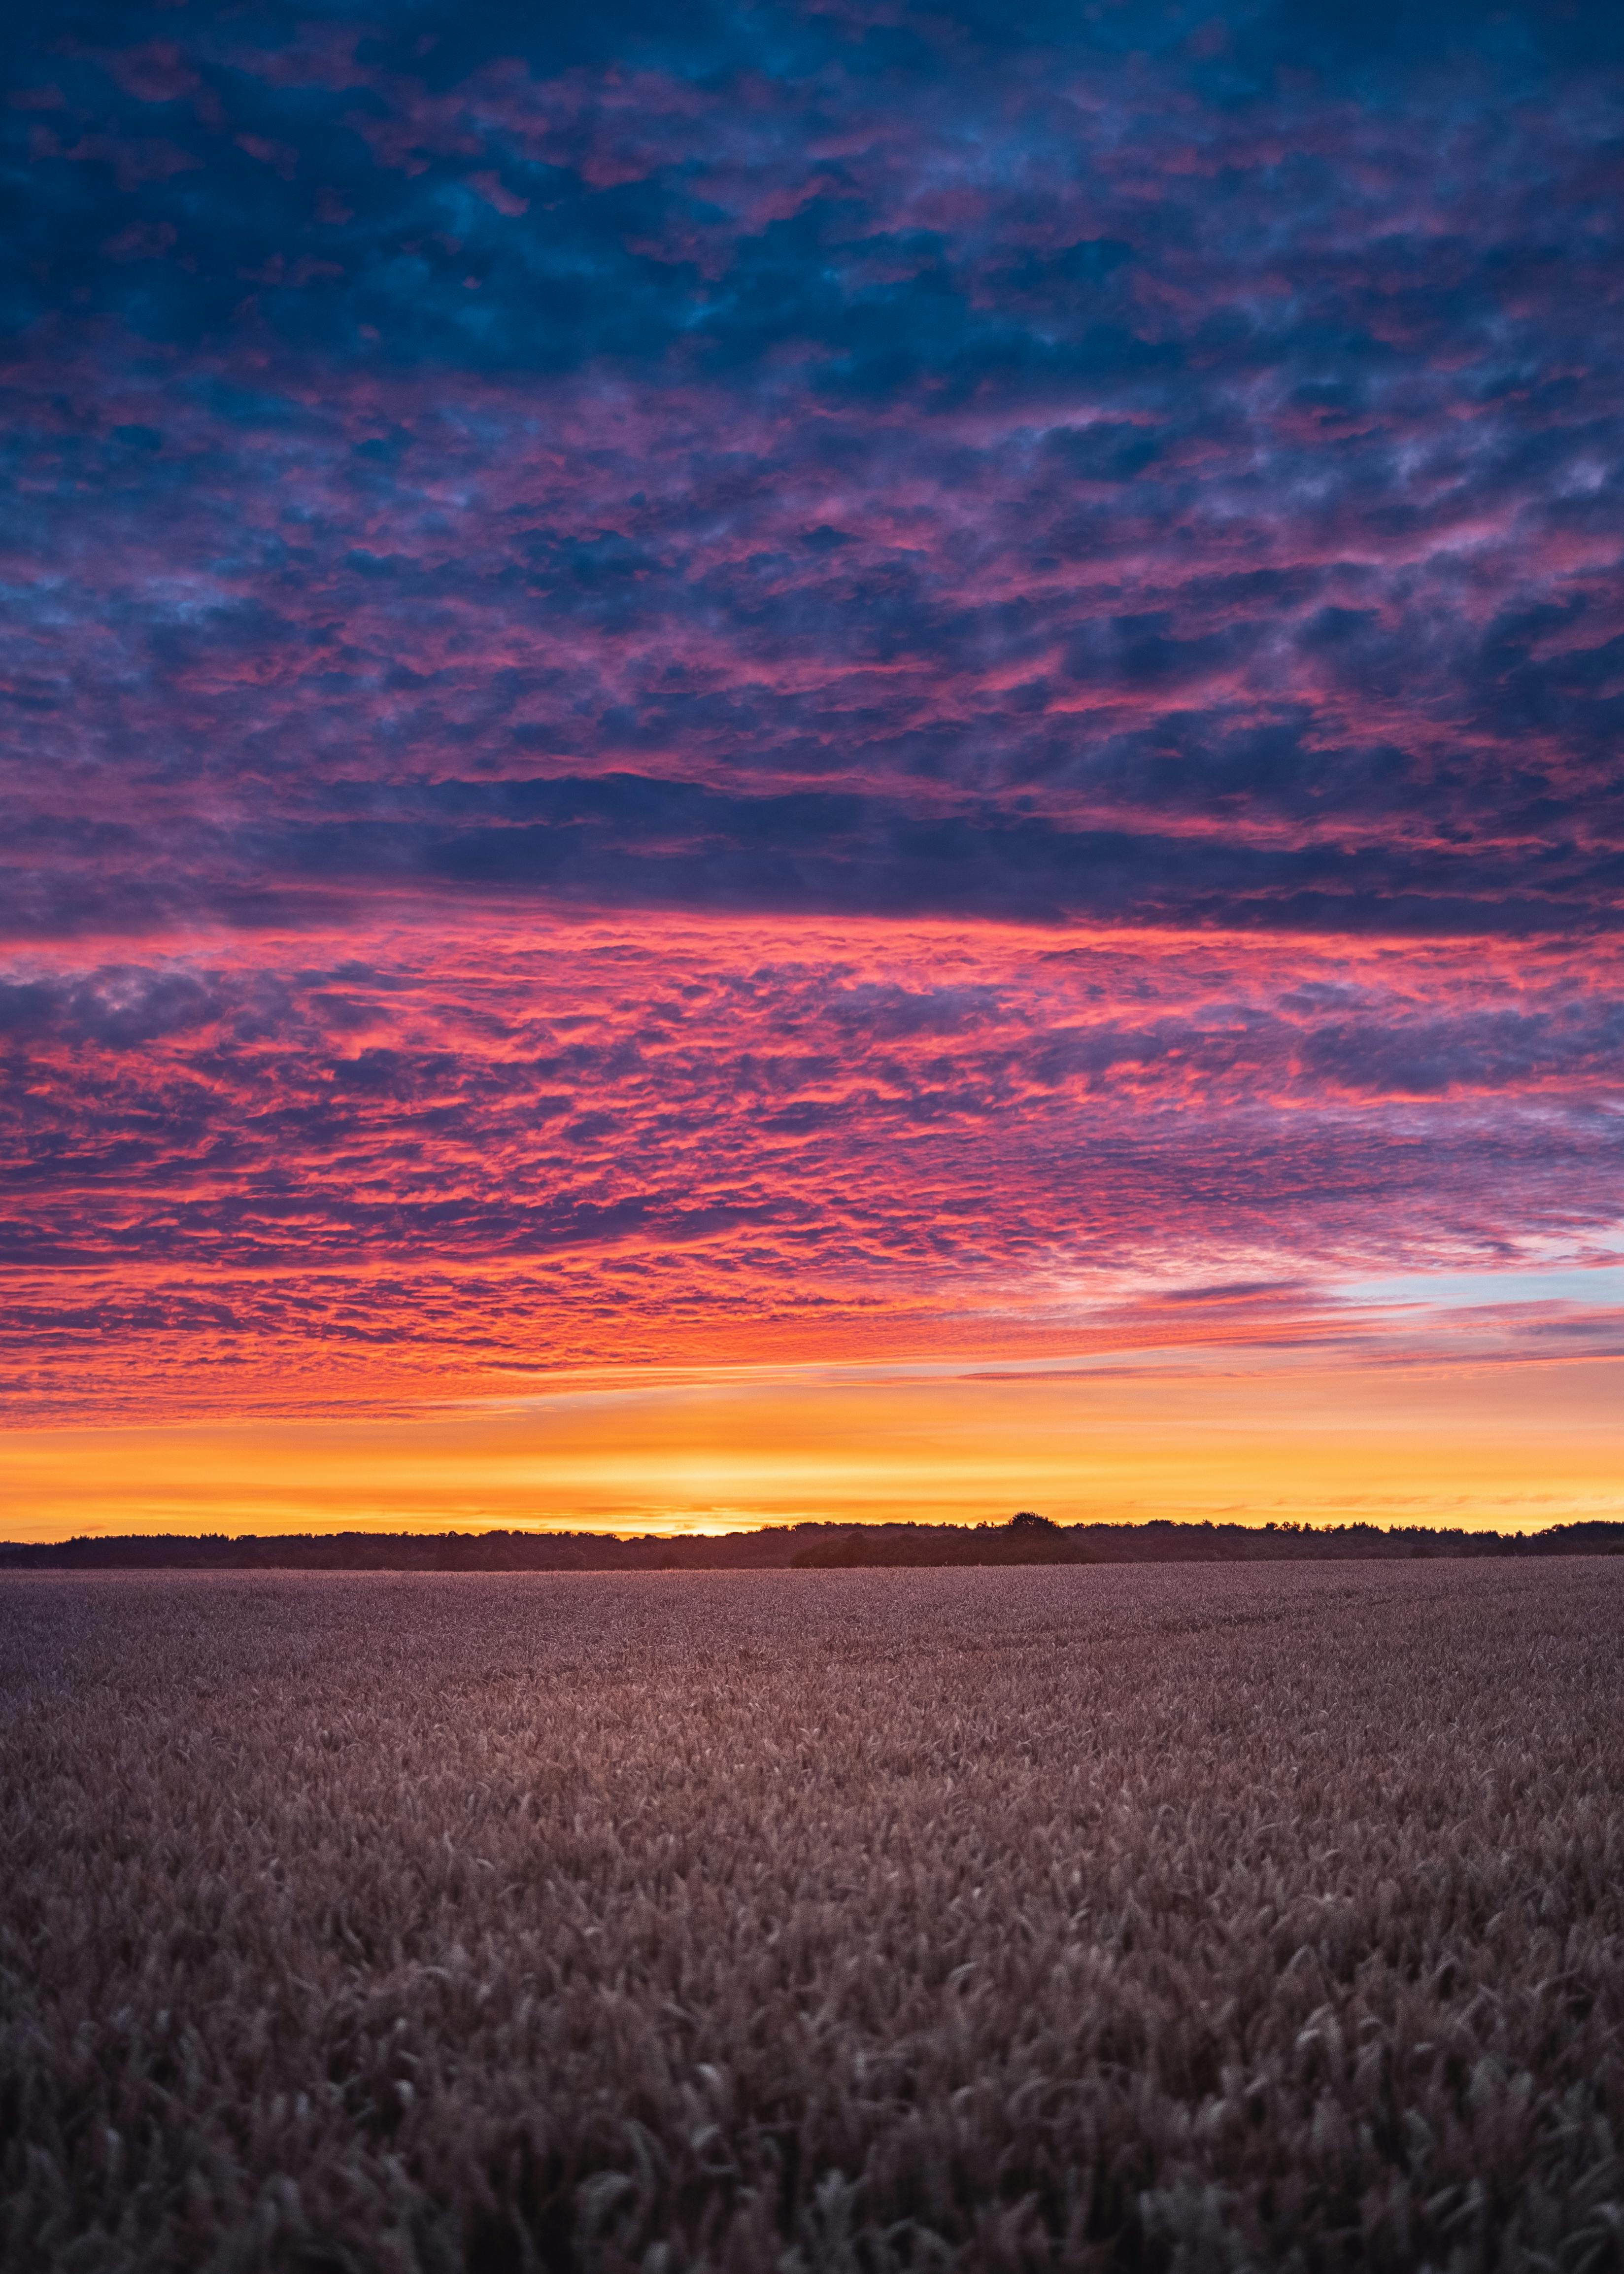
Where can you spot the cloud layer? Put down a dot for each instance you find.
(481, 1155)
(842, 463)
(676, 675)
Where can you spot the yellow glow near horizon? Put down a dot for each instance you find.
(1498, 1446)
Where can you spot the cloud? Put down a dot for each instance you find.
(857, 1135)
(737, 486)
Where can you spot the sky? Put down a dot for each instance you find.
(832, 761)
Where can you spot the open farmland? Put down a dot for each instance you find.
(1121, 1917)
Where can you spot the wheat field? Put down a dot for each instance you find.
(1132, 1917)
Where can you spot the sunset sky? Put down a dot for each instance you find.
(769, 762)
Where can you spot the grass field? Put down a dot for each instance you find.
(1130, 1918)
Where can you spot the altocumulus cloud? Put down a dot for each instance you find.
(773, 665)
(590, 1146)
(1121, 465)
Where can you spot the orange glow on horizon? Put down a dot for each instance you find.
(1496, 1447)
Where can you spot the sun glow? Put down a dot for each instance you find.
(1499, 1445)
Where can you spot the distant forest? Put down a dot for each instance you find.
(1025, 1539)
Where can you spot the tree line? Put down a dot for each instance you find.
(1026, 1537)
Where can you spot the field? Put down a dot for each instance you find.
(1128, 1917)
